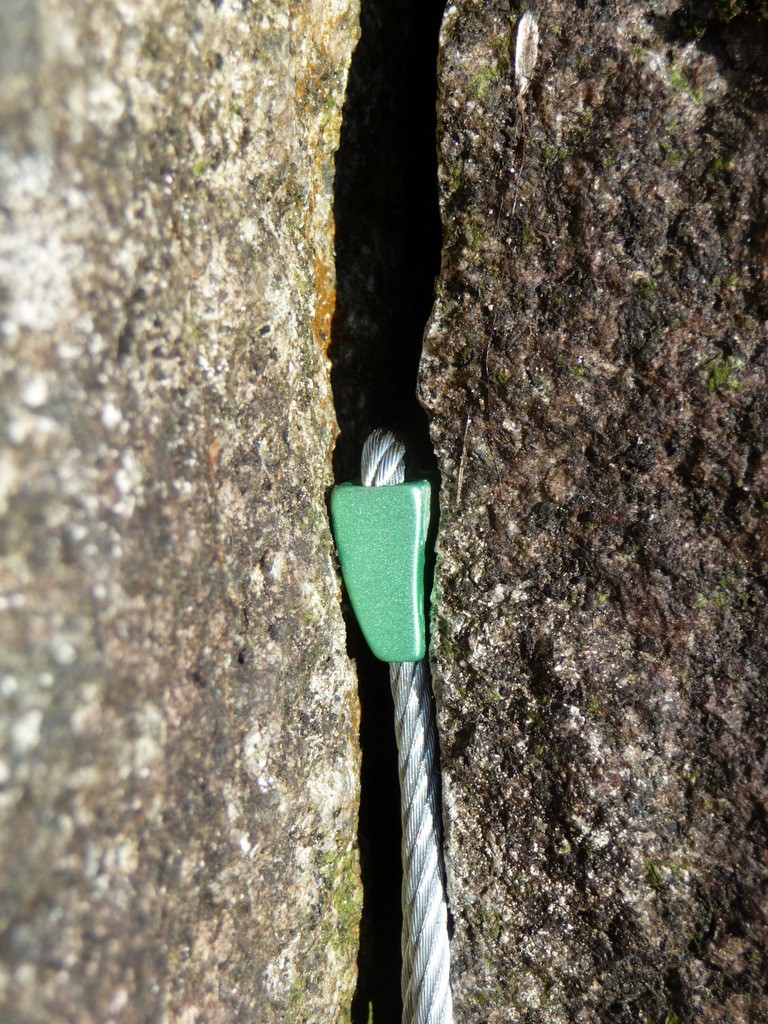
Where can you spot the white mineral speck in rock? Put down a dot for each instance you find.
(119, 1000)
(128, 477)
(148, 747)
(63, 652)
(8, 477)
(601, 838)
(8, 685)
(25, 975)
(128, 484)
(105, 103)
(111, 416)
(123, 481)
(278, 566)
(18, 430)
(25, 734)
(35, 392)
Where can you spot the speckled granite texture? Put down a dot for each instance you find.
(178, 752)
(595, 375)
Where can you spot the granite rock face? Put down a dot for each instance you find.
(178, 752)
(595, 375)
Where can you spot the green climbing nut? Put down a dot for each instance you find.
(381, 534)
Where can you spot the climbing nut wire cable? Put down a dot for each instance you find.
(367, 526)
(424, 981)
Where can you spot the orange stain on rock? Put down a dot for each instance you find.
(325, 303)
(212, 458)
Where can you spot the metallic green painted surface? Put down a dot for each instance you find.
(381, 535)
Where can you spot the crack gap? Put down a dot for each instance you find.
(387, 258)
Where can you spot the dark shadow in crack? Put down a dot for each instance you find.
(387, 259)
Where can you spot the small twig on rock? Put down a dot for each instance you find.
(460, 481)
(526, 55)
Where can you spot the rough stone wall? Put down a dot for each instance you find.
(595, 374)
(178, 752)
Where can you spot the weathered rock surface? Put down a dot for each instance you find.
(595, 374)
(178, 769)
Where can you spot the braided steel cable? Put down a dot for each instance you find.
(425, 982)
